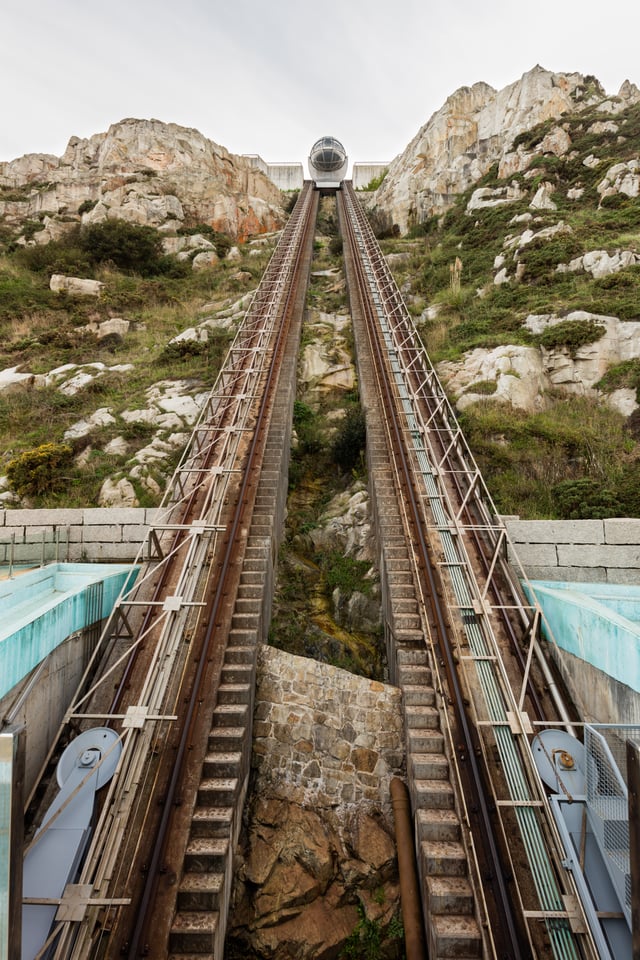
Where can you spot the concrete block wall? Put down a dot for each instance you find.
(363, 173)
(604, 551)
(93, 534)
(286, 176)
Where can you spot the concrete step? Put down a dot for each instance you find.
(437, 824)
(251, 591)
(206, 854)
(407, 624)
(403, 606)
(412, 656)
(450, 895)
(249, 578)
(189, 956)
(245, 621)
(230, 715)
(396, 551)
(414, 674)
(222, 764)
(200, 891)
(444, 858)
(434, 794)
(457, 937)
(417, 695)
(429, 766)
(226, 739)
(239, 652)
(193, 931)
(234, 693)
(409, 638)
(423, 740)
(237, 673)
(241, 639)
(247, 606)
(418, 717)
(212, 822)
(217, 792)
(261, 528)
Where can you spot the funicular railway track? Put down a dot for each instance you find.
(461, 643)
(481, 637)
(182, 651)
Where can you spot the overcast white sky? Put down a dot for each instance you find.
(271, 76)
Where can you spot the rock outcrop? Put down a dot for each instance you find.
(474, 129)
(146, 172)
(319, 850)
(523, 376)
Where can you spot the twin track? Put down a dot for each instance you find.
(461, 643)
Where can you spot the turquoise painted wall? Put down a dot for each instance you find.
(40, 609)
(598, 622)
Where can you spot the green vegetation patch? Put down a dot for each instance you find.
(346, 574)
(524, 457)
(622, 375)
(571, 335)
(39, 471)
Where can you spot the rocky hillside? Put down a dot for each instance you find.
(522, 268)
(513, 226)
(476, 127)
(144, 171)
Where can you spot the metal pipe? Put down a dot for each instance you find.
(414, 940)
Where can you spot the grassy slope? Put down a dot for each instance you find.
(578, 459)
(41, 330)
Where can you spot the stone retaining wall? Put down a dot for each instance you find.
(603, 551)
(92, 534)
(323, 735)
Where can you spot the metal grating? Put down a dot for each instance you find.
(607, 800)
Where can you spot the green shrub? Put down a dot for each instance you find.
(347, 574)
(370, 941)
(350, 440)
(36, 471)
(628, 489)
(292, 199)
(58, 256)
(375, 182)
(127, 246)
(625, 374)
(543, 255)
(302, 413)
(585, 499)
(86, 206)
(571, 335)
(483, 387)
(31, 227)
